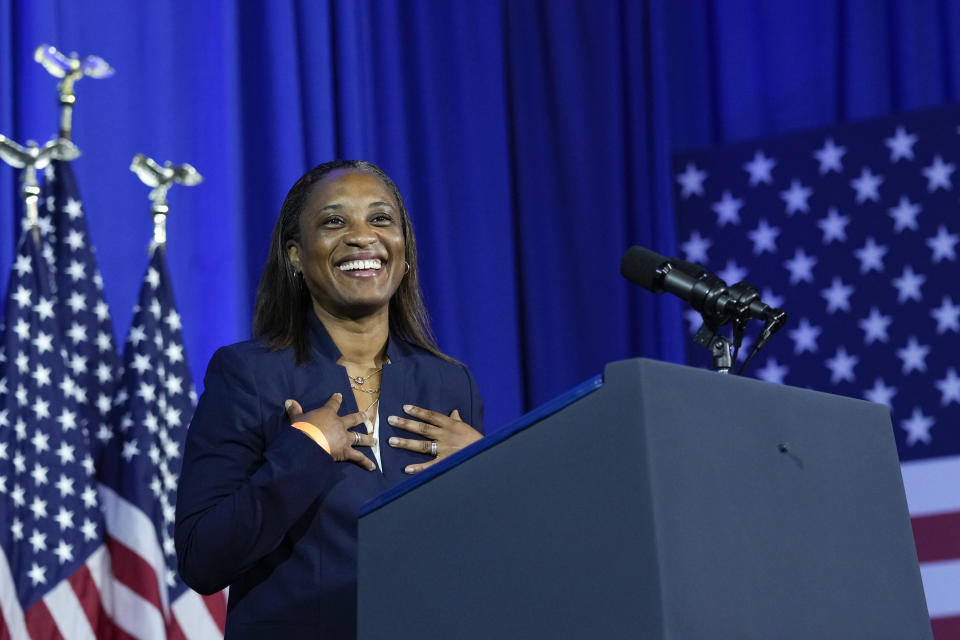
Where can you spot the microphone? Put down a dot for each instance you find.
(705, 292)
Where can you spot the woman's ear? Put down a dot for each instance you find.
(293, 252)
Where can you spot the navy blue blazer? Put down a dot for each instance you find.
(265, 510)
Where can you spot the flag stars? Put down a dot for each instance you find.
(64, 518)
(875, 327)
(41, 409)
(147, 391)
(22, 265)
(174, 353)
(908, 285)
(871, 256)
(805, 337)
(691, 181)
(830, 157)
(732, 272)
(89, 497)
(65, 485)
(949, 387)
(64, 552)
(77, 302)
(76, 271)
(77, 333)
(37, 574)
(881, 393)
(136, 335)
(943, 245)
(37, 506)
(41, 375)
(800, 267)
(796, 198)
(101, 310)
(760, 169)
(938, 175)
(22, 296)
(913, 356)
(65, 452)
(173, 318)
(104, 342)
(901, 145)
(764, 237)
(73, 208)
(905, 215)
(841, 366)
(917, 427)
(141, 362)
(837, 296)
(40, 441)
(129, 450)
(695, 248)
(74, 240)
(153, 278)
(67, 419)
(39, 474)
(947, 316)
(89, 530)
(867, 186)
(773, 371)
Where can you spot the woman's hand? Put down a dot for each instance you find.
(327, 425)
(447, 434)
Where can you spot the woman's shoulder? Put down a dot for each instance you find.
(255, 353)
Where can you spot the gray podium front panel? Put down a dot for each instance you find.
(670, 503)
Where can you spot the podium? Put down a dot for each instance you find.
(659, 502)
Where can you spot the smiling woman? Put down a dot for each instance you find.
(269, 493)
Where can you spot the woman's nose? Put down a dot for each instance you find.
(360, 235)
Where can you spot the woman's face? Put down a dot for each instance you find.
(351, 249)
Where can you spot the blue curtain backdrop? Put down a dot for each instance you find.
(530, 138)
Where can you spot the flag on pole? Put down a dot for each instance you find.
(853, 231)
(81, 308)
(153, 407)
(54, 572)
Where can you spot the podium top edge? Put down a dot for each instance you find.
(536, 415)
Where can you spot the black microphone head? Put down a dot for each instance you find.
(640, 266)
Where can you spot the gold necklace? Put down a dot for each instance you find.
(362, 380)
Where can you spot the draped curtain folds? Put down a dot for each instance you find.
(530, 138)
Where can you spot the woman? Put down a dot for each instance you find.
(288, 439)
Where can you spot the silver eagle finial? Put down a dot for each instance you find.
(31, 158)
(69, 69)
(161, 178)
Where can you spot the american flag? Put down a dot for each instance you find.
(82, 311)
(140, 468)
(854, 230)
(54, 571)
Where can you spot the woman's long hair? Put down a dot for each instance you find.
(280, 312)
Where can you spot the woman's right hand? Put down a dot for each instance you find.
(327, 425)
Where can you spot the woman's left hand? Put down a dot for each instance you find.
(448, 434)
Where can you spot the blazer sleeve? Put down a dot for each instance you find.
(240, 493)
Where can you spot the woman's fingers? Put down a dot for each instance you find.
(431, 417)
(293, 409)
(413, 426)
(420, 446)
(361, 460)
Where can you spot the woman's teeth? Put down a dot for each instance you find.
(354, 265)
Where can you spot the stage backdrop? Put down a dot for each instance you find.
(531, 139)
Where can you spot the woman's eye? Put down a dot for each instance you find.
(333, 221)
(382, 218)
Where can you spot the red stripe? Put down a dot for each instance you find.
(946, 628)
(937, 537)
(217, 605)
(40, 624)
(174, 632)
(4, 632)
(88, 595)
(131, 570)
